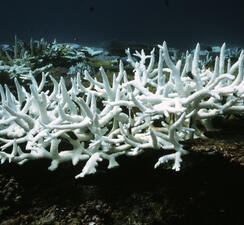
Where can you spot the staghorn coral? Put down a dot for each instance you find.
(178, 97)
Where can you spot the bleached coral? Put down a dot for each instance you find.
(21, 58)
(79, 68)
(108, 119)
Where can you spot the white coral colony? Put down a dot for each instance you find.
(179, 96)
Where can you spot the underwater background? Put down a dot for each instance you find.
(182, 23)
(208, 190)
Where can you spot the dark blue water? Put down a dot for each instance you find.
(182, 23)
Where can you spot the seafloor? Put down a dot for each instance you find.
(209, 189)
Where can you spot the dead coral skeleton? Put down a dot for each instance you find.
(178, 96)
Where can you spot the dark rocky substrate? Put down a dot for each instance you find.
(207, 191)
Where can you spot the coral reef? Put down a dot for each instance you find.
(38, 56)
(158, 108)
